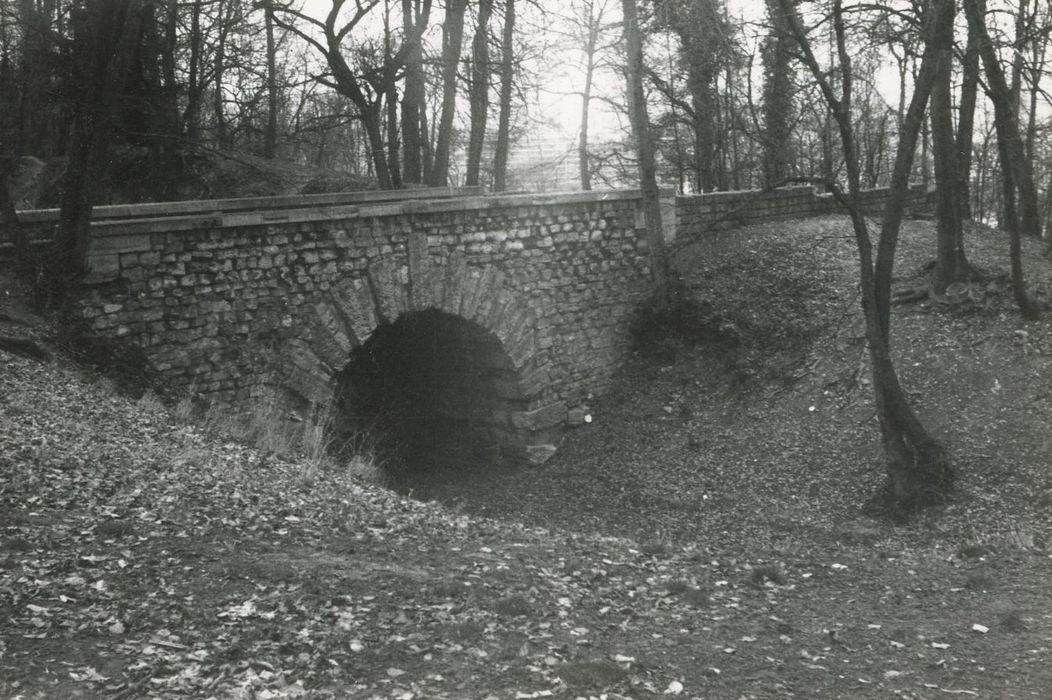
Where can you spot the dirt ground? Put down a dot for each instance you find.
(703, 537)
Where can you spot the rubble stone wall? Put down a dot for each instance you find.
(222, 303)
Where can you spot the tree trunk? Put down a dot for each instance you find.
(101, 38)
(966, 124)
(916, 465)
(637, 112)
(1008, 138)
(414, 20)
(370, 120)
(778, 101)
(950, 262)
(507, 76)
(1010, 216)
(168, 127)
(452, 41)
(391, 103)
(33, 80)
(479, 93)
(192, 114)
(583, 168)
(9, 218)
(270, 134)
(218, 73)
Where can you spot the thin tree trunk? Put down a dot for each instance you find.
(966, 124)
(1009, 213)
(1008, 183)
(950, 262)
(270, 135)
(192, 114)
(479, 93)
(370, 120)
(507, 75)
(218, 74)
(452, 41)
(637, 111)
(391, 102)
(414, 19)
(387, 92)
(1039, 50)
(1011, 144)
(583, 168)
(917, 468)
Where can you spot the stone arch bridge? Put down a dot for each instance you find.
(494, 315)
(498, 314)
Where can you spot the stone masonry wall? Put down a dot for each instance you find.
(224, 297)
(217, 302)
(38, 225)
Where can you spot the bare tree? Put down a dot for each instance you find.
(592, 14)
(478, 93)
(270, 134)
(507, 77)
(777, 97)
(1011, 145)
(917, 466)
(104, 35)
(637, 111)
(951, 264)
(366, 89)
(452, 40)
(966, 122)
(415, 15)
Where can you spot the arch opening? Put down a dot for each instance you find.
(435, 394)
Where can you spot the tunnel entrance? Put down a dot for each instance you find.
(431, 394)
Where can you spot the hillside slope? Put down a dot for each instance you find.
(702, 537)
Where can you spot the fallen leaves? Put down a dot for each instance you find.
(139, 557)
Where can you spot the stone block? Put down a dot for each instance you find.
(390, 293)
(485, 294)
(512, 324)
(419, 271)
(469, 297)
(354, 300)
(578, 415)
(541, 418)
(453, 286)
(537, 455)
(328, 336)
(523, 350)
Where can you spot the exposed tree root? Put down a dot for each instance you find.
(928, 481)
(967, 288)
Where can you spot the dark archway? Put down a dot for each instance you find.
(435, 393)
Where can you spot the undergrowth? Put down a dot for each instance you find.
(272, 428)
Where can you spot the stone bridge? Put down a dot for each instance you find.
(499, 315)
(478, 318)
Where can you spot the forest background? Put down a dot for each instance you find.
(192, 98)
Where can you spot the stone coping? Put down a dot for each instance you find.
(787, 191)
(377, 207)
(212, 206)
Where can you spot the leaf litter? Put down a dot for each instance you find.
(710, 550)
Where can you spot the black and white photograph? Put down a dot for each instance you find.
(516, 349)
